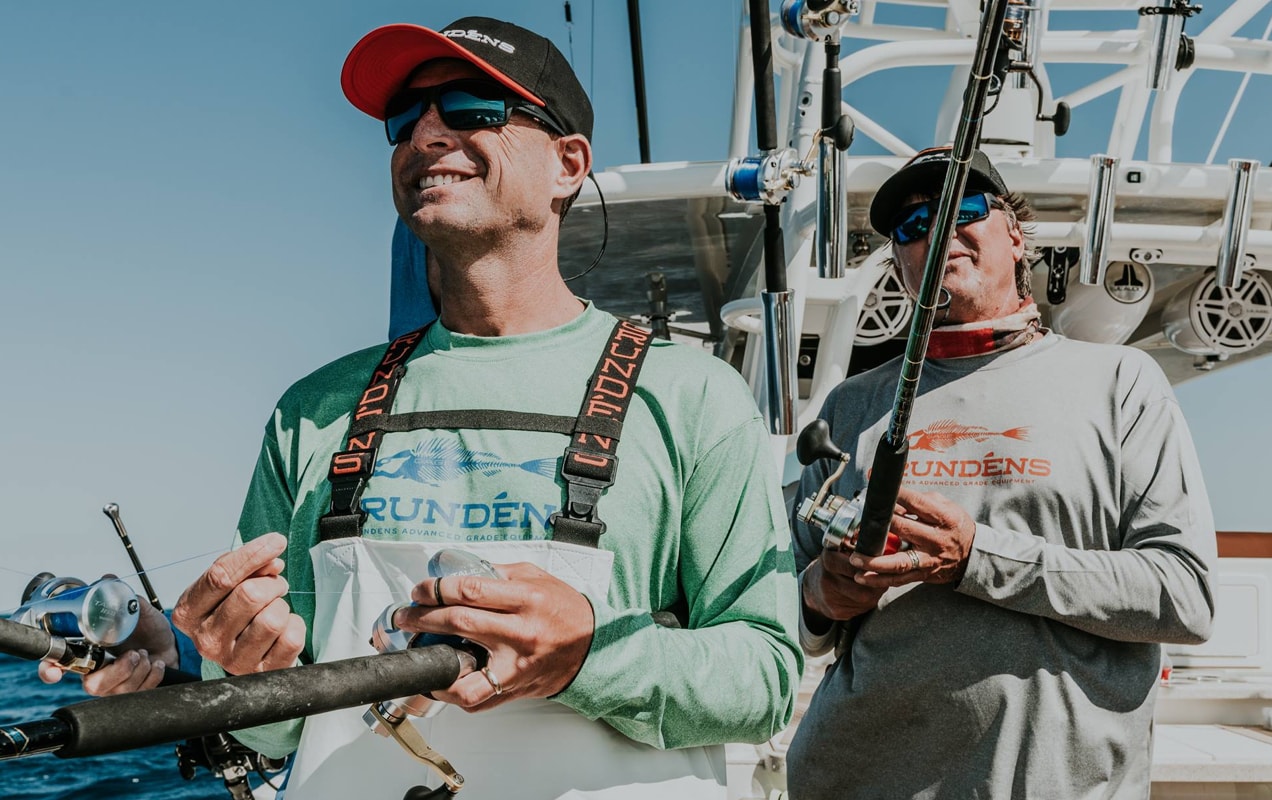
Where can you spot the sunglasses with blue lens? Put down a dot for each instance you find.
(463, 105)
(915, 221)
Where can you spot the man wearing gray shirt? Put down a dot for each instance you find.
(1059, 533)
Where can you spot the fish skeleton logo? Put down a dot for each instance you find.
(437, 461)
(944, 434)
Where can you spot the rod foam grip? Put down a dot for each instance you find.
(886, 473)
(23, 641)
(174, 713)
(774, 250)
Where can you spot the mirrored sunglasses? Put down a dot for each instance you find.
(915, 221)
(463, 105)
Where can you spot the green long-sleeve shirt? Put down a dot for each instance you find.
(695, 517)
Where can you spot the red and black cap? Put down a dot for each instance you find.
(925, 174)
(528, 64)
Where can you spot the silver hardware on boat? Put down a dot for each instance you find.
(1236, 222)
(1094, 259)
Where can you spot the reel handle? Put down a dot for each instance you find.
(814, 443)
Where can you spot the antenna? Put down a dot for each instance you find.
(112, 510)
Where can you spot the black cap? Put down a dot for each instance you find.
(378, 66)
(925, 174)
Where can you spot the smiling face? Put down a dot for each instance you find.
(474, 188)
(980, 269)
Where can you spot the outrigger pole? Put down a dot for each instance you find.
(193, 710)
(991, 63)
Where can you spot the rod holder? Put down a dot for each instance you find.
(1095, 257)
(832, 223)
(1236, 222)
(779, 373)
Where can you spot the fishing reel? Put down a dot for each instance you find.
(228, 760)
(1020, 32)
(103, 613)
(817, 19)
(85, 618)
(838, 518)
(766, 178)
(390, 718)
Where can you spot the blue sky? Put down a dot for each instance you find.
(192, 217)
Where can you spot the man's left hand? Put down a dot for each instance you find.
(940, 535)
(537, 628)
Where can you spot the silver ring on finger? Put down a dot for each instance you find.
(914, 558)
(494, 682)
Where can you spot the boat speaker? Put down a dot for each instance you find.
(885, 313)
(1206, 319)
(1109, 311)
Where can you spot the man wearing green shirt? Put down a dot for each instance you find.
(583, 694)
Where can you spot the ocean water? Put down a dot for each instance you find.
(149, 774)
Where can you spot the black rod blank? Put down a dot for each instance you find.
(881, 492)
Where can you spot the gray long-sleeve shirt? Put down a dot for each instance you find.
(1035, 675)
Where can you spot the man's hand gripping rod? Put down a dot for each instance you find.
(862, 523)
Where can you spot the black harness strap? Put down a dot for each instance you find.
(351, 468)
(474, 419)
(590, 461)
(588, 467)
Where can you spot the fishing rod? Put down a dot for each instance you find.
(219, 753)
(192, 710)
(73, 624)
(862, 522)
(822, 21)
(111, 510)
(768, 178)
(85, 619)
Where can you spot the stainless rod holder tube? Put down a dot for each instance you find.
(779, 373)
(1164, 51)
(1095, 256)
(832, 224)
(1236, 222)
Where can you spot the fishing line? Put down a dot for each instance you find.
(26, 574)
(29, 573)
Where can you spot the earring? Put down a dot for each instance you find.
(943, 300)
